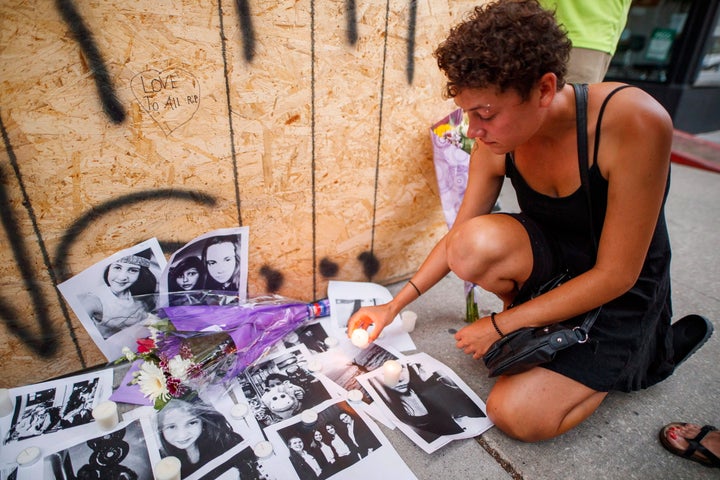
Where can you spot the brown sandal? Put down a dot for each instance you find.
(708, 458)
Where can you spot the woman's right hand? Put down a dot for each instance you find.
(378, 316)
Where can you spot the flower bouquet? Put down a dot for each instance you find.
(193, 346)
(451, 156)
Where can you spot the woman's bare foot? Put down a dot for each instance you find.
(688, 440)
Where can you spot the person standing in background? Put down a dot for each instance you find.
(594, 28)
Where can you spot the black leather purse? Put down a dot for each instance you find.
(528, 347)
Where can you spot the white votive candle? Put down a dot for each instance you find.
(28, 456)
(106, 415)
(6, 404)
(239, 411)
(355, 395)
(263, 449)
(309, 417)
(408, 319)
(391, 372)
(168, 469)
(360, 338)
(314, 365)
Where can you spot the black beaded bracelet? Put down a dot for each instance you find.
(415, 287)
(492, 319)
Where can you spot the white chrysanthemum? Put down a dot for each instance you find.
(152, 382)
(129, 354)
(178, 367)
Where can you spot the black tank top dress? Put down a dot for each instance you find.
(630, 344)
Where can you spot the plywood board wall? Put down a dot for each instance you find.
(306, 121)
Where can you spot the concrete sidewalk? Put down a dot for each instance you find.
(620, 440)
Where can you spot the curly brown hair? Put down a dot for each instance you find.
(507, 44)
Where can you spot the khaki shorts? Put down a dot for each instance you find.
(587, 66)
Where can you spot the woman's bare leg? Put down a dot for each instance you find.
(540, 404)
(492, 251)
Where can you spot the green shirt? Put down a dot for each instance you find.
(593, 24)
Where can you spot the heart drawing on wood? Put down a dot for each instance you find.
(171, 97)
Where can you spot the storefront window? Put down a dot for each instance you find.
(709, 75)
(646, 44)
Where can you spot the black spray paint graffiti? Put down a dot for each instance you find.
(45, 343)
(106, 91)
(112, 106)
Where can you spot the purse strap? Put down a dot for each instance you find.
(581, 95)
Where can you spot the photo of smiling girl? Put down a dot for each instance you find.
(195, 433)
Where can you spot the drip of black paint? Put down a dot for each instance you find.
(352, 32)
(328, 268)
(273, 278)
(370, 264)
(246, 28)
(84, 37)
(412, 22)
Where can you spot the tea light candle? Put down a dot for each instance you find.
(360, 338)
(6, 404)
(314, 365)
(309, 417)
(168, 469)
(391, 372)
(408, 319)
(263, 449)
(28, 456)
(355, 395)
(106, 415)
(239, 411)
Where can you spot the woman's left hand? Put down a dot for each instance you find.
(476, 338)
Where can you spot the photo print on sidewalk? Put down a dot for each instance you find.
(121, 453)
(430, 403)
(54, 412)
(282, 386)
(341, 443)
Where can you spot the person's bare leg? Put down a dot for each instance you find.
(493, 252)
(540, 404)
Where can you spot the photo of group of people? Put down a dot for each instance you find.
(341, 441)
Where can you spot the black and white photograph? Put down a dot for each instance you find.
(45, 414)
(193, 430)
(348, 297)
(243, 464)
(211, 269)
(429, 402)
(113, 298)
(311, 335)
(121, 453)
(283, 386)
(341, 443)
(345, 363)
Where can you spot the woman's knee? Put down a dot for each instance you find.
(472, 246)
(508, 417)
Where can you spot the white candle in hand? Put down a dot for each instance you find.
(168, 469)
(360, 338)
(391, 372)
(106, 415)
